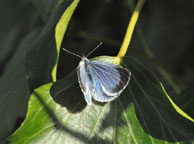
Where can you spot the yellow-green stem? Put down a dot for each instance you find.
(129, 32)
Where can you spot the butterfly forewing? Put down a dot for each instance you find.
(113, 78)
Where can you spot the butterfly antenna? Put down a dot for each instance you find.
(94, 49)
(82, 51)
(72, 53)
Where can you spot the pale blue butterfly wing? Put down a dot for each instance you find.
(101, 81)
(85, 82)
(99, 94)
(113, 78)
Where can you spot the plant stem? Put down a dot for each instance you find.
(129, 32)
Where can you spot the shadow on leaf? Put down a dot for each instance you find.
(153, 109)
(67, 93)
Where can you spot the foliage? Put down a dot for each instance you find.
(31, 62)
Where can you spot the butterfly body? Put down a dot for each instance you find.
(101, 81)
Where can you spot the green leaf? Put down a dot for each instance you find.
(25, 41)
(16, 35)
(185, 100)
(14, 93)
(57, 113)
(43, 55)
(154, 111)
(61, 29)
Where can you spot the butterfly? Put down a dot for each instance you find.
(99, 80)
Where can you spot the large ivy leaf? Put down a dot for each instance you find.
(19, 35)
(57, 113)
(153, 108)
(43, 55)
(14, 93)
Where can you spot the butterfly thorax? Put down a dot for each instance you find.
(85, 59)
(84, 63)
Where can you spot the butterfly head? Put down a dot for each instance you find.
(85, 59)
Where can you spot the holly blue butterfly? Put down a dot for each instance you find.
(99, 80)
